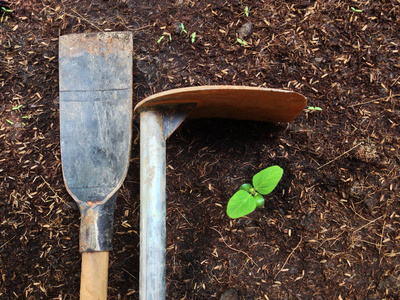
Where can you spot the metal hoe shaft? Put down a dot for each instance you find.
(155, 127)
(153, 209)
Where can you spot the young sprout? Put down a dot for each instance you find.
(6, 10)
(17, 107)
(246, 11)
(242, 42)
(11, 122)
(249, 196)
(356, 10)
(183, 28)
(160, 39)
(193, 37)
(314, 108)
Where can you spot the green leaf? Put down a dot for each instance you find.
(11, 122)
(246, 11)
(241, 204)
(17, 107)
(265, 181)
(193, 37)
(160, 39)
(318, 108)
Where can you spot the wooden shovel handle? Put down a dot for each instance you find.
(94, 277)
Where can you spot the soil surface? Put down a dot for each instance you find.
(331, 228)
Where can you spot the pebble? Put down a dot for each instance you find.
(245, 30)
(177, 27)
(370, 203)
(230, 294)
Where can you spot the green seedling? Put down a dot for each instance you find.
(17, 107)
(314, 108)
(26, 117)
(11, 122)
(183, 28)
(5, 10)
(246, 11)
(160, 39)
(250, 196)
(193, 37)
(242, 42)
(356, 10)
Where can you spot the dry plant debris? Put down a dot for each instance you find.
(331, 229)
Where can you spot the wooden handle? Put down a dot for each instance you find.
(94, 277)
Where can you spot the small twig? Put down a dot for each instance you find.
(186, 219)
(397, 79)
(374, 100)
(237, 250)
(354, 210)
(358, 229)
(287, 259)
(392, 254)
(383, 230)
(336, 158)
(7, 242)
(129, 273)
(140, 28)
(83, 18)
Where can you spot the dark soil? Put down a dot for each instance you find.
(330, 230)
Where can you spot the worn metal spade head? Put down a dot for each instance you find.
(95, 127)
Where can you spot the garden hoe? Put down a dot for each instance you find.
(160, 115)
(95, 131)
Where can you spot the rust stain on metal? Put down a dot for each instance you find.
(97, 44)
(94, 203)
(88, 238)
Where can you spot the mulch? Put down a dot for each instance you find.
(330, 230)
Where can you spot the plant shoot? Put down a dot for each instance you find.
(250, 196)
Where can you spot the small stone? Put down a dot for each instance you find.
(370, 203)
(319, 59)
(245, 30)
(177, 27)
(230, 294)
